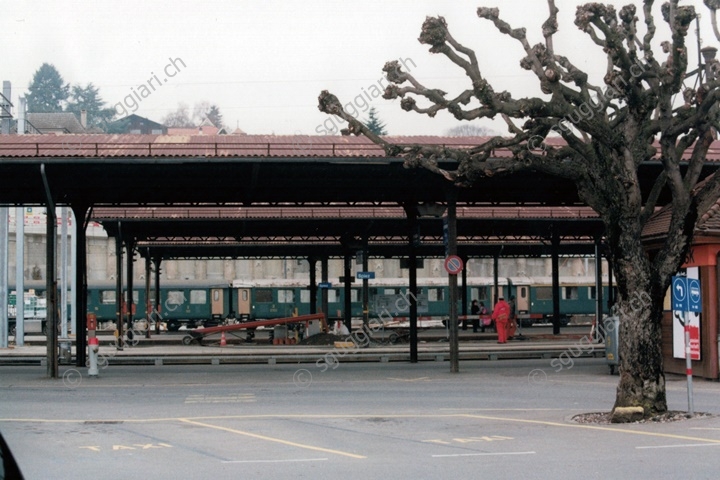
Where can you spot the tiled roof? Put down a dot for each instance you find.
(193, 145)
(332, 211)
(61, 122)
(209, 145)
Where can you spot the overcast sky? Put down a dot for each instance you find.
(265, 62)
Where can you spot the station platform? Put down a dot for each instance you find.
(167, 349)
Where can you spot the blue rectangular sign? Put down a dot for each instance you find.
(679, 294)
(694, 300)
(686, 294)
(365, 275)
(324, 285)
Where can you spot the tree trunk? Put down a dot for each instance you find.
(642, 382)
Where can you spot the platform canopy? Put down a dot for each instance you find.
(253, 170)
(268, 196)
(333, 230)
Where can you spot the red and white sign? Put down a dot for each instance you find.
(453, 264)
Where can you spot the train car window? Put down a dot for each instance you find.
(245, 295)
(523, 292)
(198, 297)
(332, 295)
(479, 293)
(216, 295)
(286, 295)
(543, 293)
(304, 296)
(175, 297)
(592, 293)
(391, 291)
(107, 297)
(355, 295)
(435, 294)
(263, 295)
(570, 293)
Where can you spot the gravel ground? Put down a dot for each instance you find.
(671, 416)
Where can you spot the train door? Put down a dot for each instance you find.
(243, 303)
(522, 300)
(217, 303)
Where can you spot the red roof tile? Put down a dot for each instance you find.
(105, 145)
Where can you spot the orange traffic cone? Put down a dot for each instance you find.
(223, 342)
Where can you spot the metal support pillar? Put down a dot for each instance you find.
(51, 317)
(157, 313)
(452, 280)
(496, 279)
(63, 296)
(324, 292)
(611, 291)
(148, 301)
(80, 280)
(118, 286)
(312, 261)
(556, 282)
(4, 291)
(464, 288)
(412, 269)
(129, 251)
(598, 287)
(365, 290)
(348, 290)
(20, 276)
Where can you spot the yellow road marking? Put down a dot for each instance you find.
(337, 416)
(409, 379)
(594, 427)
(271, 439)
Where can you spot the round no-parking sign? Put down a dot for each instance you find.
(453, 264)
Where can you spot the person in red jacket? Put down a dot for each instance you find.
(501, 315)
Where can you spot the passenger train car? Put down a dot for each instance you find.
(191, 305)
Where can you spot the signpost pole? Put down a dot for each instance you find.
(688, 366)
(686, 298)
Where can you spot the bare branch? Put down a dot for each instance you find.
(550, 27)
(713, 5)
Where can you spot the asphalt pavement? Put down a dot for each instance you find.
(351, 420)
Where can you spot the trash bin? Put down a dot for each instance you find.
(611, 326)
(65, 352)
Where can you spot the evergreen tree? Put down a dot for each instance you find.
(215, 116)
(47, 91)
(88, 98)
(374, 124)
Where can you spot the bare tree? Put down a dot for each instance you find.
(467, 130)
(609, 129)
(179, 118)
